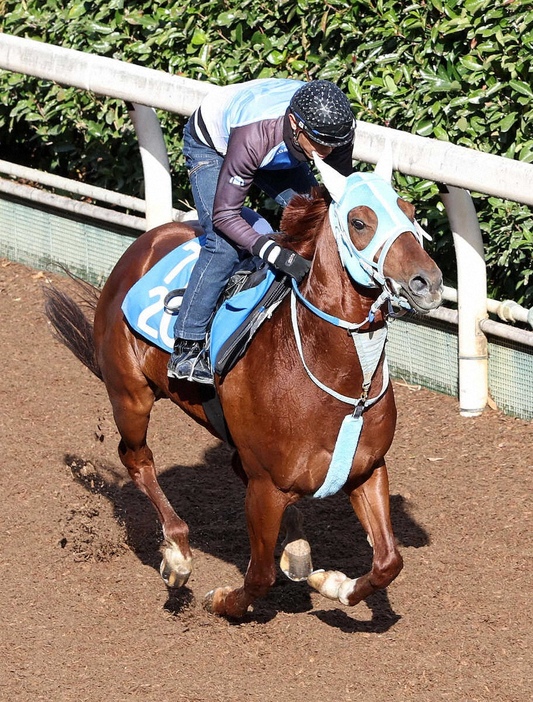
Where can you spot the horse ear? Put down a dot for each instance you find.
(334, 181)
(384, 165)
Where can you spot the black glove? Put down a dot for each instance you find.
(283, 260)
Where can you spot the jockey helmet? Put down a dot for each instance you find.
(323, 112)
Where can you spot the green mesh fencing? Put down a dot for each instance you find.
(420, 351)
(41, 238)
(511, 377)
(423, 352)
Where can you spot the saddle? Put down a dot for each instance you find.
(225, 354)
(261, 292)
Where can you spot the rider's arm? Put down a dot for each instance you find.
(247, 148)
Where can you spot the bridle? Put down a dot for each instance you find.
(360, 264)
(373, 191)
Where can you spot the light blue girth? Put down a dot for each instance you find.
(369, 347)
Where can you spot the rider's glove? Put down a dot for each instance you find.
(282, 259)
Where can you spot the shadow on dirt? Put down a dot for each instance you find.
(210, 498)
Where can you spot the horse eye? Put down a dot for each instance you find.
(358, 224)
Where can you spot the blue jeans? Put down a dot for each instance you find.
(219, 257)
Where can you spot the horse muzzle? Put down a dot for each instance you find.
(424, 291)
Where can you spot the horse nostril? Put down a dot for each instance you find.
(418, 285)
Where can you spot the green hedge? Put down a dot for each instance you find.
(457, 70)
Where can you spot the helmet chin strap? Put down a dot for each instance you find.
(296, 141)
(295, 131)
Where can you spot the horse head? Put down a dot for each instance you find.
(379, 241)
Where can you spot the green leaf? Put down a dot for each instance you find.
(521, 87)
(199, 37)
(471, 63)
(473, 6)
(100, 28)
(390, 84)
(526, 152)
(226, 19)
(276, 57)
(424, 128)
(76, 10)
(507, 122)
(440, 133)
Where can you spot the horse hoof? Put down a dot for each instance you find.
(345, 590)
(327, 583)
(171, 577)
(214, 601)
(295, 560)
(175, 569)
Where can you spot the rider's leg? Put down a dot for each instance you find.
(217, 260)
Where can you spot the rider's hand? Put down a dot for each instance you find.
(282, 259)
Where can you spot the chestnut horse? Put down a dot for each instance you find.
(301, 398)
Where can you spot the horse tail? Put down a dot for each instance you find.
(71, 325)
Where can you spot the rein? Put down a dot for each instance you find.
(350, 327)
(368, 346)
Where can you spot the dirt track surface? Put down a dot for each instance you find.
(85, 616)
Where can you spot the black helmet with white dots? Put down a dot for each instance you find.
(322, 111)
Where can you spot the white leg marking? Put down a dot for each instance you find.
(332, 584)
(345, 590)
(327, 582)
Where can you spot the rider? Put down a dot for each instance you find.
(264, 132)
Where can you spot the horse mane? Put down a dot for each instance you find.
(302, 220)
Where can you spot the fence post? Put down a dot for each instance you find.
(471, 298)
(156, 167)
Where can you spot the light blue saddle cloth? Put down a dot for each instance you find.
(144, 305)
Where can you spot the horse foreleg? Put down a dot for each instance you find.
(264, 511)
(370, 502)
(295, 560)
(132, 415)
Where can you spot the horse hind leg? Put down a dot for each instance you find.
(265, 506)
(132, 415)
(295, 561)
(370, 502)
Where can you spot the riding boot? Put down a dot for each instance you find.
(188, 362)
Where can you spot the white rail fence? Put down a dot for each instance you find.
(461, 169)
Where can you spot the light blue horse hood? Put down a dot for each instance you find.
(371, 190)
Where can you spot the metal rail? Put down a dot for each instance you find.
(460, 168)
